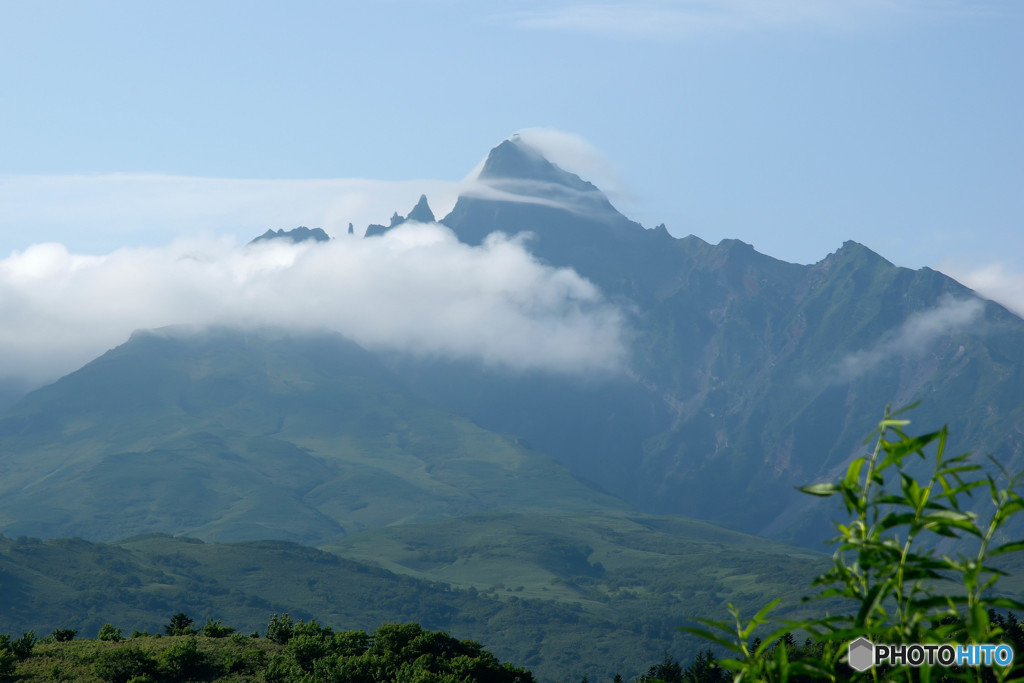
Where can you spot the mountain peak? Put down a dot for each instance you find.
(855, 251)
(513, 159)
(299, 234)
(518, 186)
(421, 213)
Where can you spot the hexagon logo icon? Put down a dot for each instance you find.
(861, 654)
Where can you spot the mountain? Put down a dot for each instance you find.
(420, 213)
(234, 435)
(574, 224)
(299, 234)
(547, 504)
(241, 436)
(749, 376)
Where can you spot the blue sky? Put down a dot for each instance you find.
(790, 124)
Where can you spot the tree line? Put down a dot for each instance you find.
(288, 651)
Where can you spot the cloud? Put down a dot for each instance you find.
(590, 204)
(993, 281)
(574, 154)
(415, 289)
(669, 19)
(103, 212)
(570, 153)
(100, 213)
(914, 335)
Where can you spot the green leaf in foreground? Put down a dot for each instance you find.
(897, 588)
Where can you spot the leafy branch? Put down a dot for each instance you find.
(887, 568)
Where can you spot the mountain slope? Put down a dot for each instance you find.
(749, 375)
(234, 435)
(784, 389)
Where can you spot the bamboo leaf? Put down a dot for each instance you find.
(895, 452)
(822, 490)
(714, 638)
(1011, 547)
(1005, 603)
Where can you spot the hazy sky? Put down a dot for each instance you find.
(790, 124)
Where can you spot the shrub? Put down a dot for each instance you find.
(247, 663)
(280, 670)
(22, 647)
(351, 643)
(215, 629)
(179, 625)
(886, 567)
(124, 664)
(63, 635)
(306, 649)
(109, 632)
(280, 628)
(7, 662)
(312, 628)
(183, 661)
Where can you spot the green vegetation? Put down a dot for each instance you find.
(232, 436)
(894, 584)
(597, 561)
(180, 625)
(562, 595)
(109, 632)
(62, 635)
(393, 653)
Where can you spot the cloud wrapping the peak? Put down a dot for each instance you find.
(569, 152)
(574, 154)
(915, 335)
(414, 289)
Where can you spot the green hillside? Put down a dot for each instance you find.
(599, 562)
(229, 435)
(615, 609)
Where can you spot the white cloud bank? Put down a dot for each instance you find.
(915, 335)
(414, 289)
